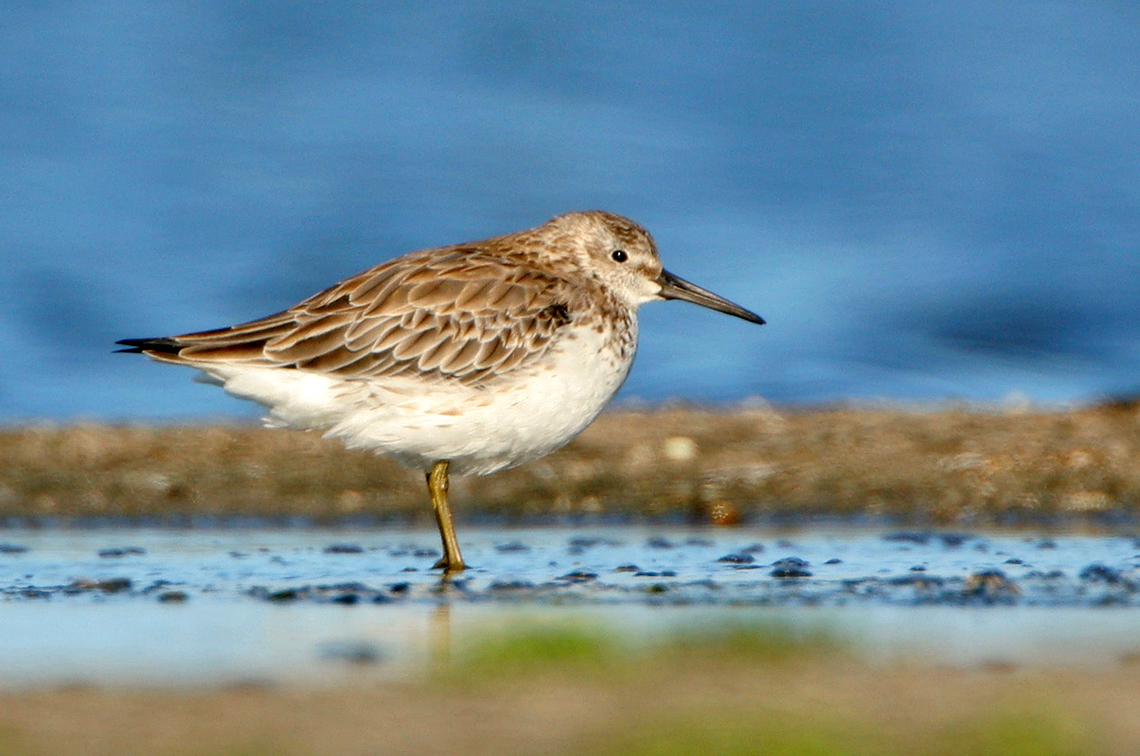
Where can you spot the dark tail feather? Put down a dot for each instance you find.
(164, 344)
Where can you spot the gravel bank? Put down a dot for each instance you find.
(945, 465)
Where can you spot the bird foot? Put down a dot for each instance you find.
(448, 567)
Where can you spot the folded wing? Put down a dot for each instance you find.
(457, 316)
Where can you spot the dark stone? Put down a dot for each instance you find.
(834, 560)
(350, 587)
(12, 548)
(347, 599)
(173, 597)
(925, 537)
(737, 559)
(1099, 573)
(512, 547)
(579, 576)
(121, 552)
(511, 585)
(626, 568)
(114, 585)
(344, 548)
(658, 542)
(908, 536)
(284, 595)
(990, 586)
(790, 567)
(1049, 575)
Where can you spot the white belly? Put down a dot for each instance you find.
(479, 430)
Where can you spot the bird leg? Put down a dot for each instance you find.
(452, 560)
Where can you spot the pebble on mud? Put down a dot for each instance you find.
(790, 567)
(679, 449)
(990, 586)
(511, 585)
(723, 514)
(579, 576)
(1099, 573)
(115, 553)
(512, 547)
(343, 548)
(925, 537)
(108, 585)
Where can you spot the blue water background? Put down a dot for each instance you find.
(927, 200)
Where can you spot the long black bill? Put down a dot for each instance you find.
(673, 287)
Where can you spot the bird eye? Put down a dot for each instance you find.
(619, 255)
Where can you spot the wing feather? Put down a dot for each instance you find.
(452, 314)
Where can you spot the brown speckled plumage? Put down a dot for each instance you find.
(472, 313)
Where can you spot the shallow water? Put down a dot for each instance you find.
(191, 606)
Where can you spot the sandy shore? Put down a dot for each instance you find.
(946, 465)
(670, 707)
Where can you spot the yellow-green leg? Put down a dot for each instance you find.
(452, 560)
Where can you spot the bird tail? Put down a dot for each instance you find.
(161, 345)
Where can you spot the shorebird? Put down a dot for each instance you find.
(468, 359)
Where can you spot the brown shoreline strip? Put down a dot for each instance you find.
(949, 465)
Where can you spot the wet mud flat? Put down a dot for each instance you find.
(578, 640)
(824, 566)
(280, 603)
